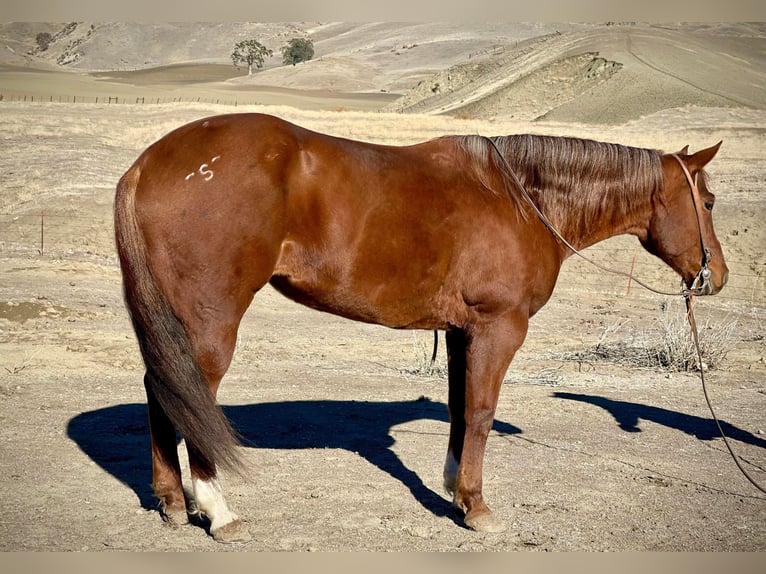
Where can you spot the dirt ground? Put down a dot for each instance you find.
(345, 432)
(345, 435)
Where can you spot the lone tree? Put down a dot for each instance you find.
(298, 50)
(250, 52)
(44, 40)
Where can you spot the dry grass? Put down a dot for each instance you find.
(676, 350)
(667, 345)
(423, 365)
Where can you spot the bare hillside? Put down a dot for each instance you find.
(604, 74)
(393, 56)
(608, 74)
(110, 46)
(385, 53)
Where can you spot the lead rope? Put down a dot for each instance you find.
(687, 292)
(693, 328)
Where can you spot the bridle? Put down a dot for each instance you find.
(699, 283)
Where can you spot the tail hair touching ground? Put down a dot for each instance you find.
(173, 373)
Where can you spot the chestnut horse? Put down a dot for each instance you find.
(434, 236)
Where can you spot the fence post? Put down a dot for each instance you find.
(630, 276)
(42, 232)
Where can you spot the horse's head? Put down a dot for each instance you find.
(681, 228)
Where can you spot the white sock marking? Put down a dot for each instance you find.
(210, 500)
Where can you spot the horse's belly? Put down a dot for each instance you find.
(330, 283)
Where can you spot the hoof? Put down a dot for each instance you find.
(175, 518)
(484, 521)
(235, 532)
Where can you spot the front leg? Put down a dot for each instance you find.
(456, 349)
(490, 347)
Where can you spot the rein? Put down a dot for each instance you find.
(693, 327)
(687, 291)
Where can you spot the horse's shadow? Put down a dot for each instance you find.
(117, 437)
(627, 415)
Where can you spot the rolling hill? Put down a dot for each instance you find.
(610, 73)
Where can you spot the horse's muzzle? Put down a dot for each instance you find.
(704, 283)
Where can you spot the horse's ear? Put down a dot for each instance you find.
(684, 150)
(700, 159)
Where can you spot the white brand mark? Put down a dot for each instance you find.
(204, 170)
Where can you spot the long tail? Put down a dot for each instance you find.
(174, 374)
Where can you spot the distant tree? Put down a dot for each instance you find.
(298, 50)
(250, 52)
(44, 40)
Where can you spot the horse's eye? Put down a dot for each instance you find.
(709, 205)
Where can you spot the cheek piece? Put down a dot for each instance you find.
(701, 282)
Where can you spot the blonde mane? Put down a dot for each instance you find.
(575, 181)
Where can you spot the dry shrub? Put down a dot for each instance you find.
(423, 351)
(668, 345)
(675, 346)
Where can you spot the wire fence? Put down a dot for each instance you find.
(90, 236)
(132, 100)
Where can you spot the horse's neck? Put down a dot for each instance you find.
(585, 221)
(589, 190)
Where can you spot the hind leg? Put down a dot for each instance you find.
(209, 287)
(166, 469)
(214, 343)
